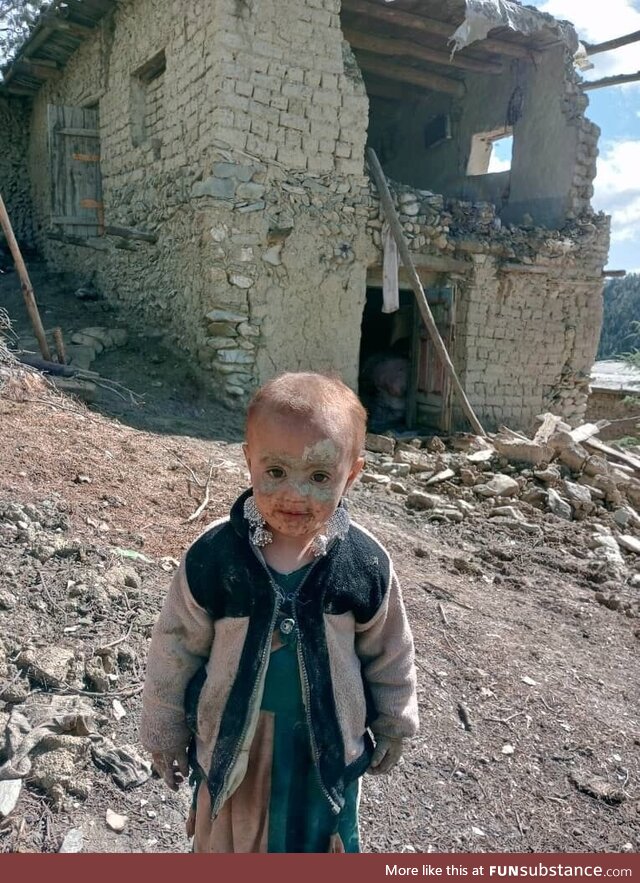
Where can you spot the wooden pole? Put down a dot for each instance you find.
(25, 282)
(593, 48)
(618, 80)
(414, 280)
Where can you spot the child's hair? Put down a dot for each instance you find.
(307, 394)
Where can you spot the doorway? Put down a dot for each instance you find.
(402, 382)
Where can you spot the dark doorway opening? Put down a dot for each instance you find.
(385, 361)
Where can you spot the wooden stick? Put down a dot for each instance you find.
(610, 81)
(593, 48)
(414, 280)
(388, 46)
(27, 288)
(599, 446)
(414, 75)
(59, 344)
(417, 22)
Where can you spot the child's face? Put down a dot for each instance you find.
(299, 472)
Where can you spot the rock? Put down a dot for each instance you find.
(420, 500)
(557, 505)
(506, 512)
(508, 749)
(273, 255)
(482, 456)
(446, 514)
(115, 821)
(466, 566)
(550, 475)
(49, 666)
(520, 450)
(417, 460)
(118, 709)
(596, 786)
(73, 841)
(56, 772)
(401, 470)
(499, 486)
(226, 316)
(435, 445)
(7, 600)
(397, 487)
(535, 496)
(629, 543)
(444, 475)
(516, 524)
(218, 188)
(9, 794)
(374, 478)
(233, 170)
(96, 676)
(379, 444)
(620, 516)
(468, 477)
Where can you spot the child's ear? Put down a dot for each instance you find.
(356, 469)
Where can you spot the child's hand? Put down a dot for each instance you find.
(386, 755)
(172, 766)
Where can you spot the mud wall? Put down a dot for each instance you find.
(14, 173)
(248, 167)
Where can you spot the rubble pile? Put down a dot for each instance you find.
(523, 485)
(432, 220)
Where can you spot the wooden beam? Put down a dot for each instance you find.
(421, 298)
(40, 72)
(430, 26)
(25, 282)
(594, 48)
(617, 274)
(415, 76)
(390, 46)
(391, 89)
(588, 86)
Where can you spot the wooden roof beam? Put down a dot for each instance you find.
(618, 80)
(391, 46)
(431, 26)
(415, 76)
(37, 71)
(594, 48)
(378, 87)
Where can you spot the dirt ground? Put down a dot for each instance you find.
(529, 688)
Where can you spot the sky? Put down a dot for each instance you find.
(616, 109)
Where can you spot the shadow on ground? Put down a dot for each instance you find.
(158, 390)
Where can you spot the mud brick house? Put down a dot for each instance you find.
(205, 161)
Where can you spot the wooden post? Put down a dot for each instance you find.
(25, 282)
(414, 280)
(58, 341)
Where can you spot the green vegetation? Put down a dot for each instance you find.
(620, 336)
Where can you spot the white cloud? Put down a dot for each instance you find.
(616, 191)
(597, 22)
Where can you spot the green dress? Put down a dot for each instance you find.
(300, 818)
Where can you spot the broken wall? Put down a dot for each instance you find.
(554, 147)
(14, 173)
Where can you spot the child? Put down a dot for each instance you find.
(283, 639)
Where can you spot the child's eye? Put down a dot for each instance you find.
(320, 477)
(275, 472)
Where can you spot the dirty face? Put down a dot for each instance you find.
(299, 471)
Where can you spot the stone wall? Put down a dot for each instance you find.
(251, 175)
(14, 173)
(621, 407)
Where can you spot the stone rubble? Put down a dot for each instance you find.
(520, 484)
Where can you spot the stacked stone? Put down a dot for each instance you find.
(585, 167)
(14, 175)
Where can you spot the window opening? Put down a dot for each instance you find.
(490, 152)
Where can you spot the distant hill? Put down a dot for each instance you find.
(621, 308)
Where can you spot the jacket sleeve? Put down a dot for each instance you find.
(180, 644)
(385, 647)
